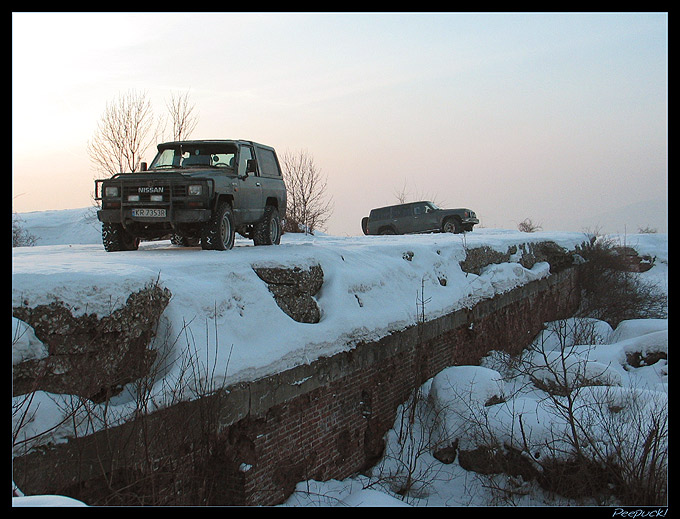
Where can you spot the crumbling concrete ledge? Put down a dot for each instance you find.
(294, 289)
(88, 356)
(526, 254)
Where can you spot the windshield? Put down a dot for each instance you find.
(195, 155)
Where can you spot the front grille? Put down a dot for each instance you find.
(176, 191)
(179, 190)
(174, 194)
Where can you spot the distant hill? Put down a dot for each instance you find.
(628, 219)
(80, 226)
(63, 227)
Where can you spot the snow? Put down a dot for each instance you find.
(25, 345)
(458, 391)
(46, 501)
(370, 289)
(372, 286)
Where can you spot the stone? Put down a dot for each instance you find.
(446, 454)
(531, 253)
(294, 290)
(88, 356)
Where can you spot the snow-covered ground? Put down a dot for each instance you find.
(371, 284)
(371, 288)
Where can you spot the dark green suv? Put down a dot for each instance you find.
(196, 192)
(417, 217)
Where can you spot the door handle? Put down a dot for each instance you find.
(257, 184)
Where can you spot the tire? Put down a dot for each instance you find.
(268, 231)
(218, 233)
(184, 241)
(116, 238)
(386, 230)
(364, 224)
(452, 225)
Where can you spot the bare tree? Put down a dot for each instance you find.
(309, 205)
(402, 195)
(184, 121)
(405, 195)
(123, 134)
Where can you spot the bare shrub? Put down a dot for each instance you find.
(613, 294)
(605, 443)
(527, 225)
(20, 236)
(407, 467)
(647, 230)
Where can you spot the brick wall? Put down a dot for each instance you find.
(337, 429)
(251, 444)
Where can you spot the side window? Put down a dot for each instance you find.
(402, 210)
(380, 214)
(243, 158)
(269, 166)
(421, 209)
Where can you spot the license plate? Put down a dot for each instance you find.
(149, 213)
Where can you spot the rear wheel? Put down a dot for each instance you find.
(116, 238)
(218, 233)
(268, 231)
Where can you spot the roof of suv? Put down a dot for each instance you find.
(400, 205)
(211, 141)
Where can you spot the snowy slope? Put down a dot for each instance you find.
(371, 284)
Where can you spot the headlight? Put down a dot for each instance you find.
(111, 191)
(196, 190)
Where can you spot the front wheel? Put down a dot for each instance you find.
(268, 231)
(116, 238)
(218, 233)
(452, 225)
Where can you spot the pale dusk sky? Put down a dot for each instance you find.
(559, 117)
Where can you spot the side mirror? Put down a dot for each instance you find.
(142, 166)
(251, 166)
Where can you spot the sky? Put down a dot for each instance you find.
(557, 117)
